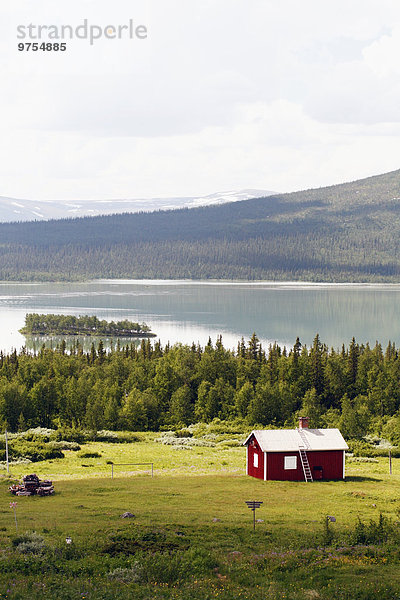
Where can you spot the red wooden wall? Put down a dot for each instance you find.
(331, 462)
(252, 449)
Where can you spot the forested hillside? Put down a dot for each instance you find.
(348, 232)
(155, 387)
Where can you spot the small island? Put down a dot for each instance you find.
(84, 325)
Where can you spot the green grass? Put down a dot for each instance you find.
(192, 536)
(167, 460)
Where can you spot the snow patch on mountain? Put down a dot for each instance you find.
(12, 209)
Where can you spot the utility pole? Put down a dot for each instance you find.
(8, 466)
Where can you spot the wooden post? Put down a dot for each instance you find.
(390, 462)
(112, 470)
(8, 466)
(152, 472)
(13, 505)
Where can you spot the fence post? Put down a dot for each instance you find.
(112, 470)
(8, 465)
(152, 469)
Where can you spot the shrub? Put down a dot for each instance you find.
(360, 448)
(68, 434)
(112, 437)
(128, 437)
(374, 532)
(187, 442)
(15, 461)
(134, 541)
(29, 543)
(80, 436)
(34, 451)
(230, 443)
(183, 433)
(363, 448)
(89, 455)
(102, 436)
(167, 434)
(233, 427)
(41, 434)
(64, 445)
(135, 573)
(391, 430)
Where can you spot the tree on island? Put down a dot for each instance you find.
(50, 324)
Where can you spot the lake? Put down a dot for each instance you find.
(186, 311)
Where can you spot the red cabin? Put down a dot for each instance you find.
(301, 454)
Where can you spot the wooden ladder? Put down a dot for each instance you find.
(303, 446)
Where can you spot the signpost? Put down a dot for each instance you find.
(253, 504)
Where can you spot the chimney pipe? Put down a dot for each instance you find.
(303, 422)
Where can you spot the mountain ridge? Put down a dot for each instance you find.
(20, 210)
(346, 232)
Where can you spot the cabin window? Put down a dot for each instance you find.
(255, 460)
(290, 463)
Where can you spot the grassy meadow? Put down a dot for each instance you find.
(192, 536)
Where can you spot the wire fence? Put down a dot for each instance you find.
(131, 465)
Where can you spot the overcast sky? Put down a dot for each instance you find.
(223, 94)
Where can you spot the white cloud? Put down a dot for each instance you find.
(275, 143)
(383, 55)
(222, 94)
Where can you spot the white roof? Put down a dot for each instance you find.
(289, 440)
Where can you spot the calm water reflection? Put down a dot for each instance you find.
(182, 311)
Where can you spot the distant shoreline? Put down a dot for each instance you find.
(86, 334)
(290, 283)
